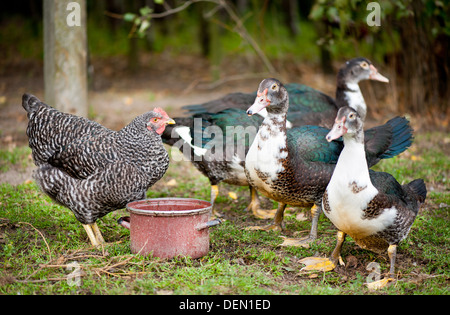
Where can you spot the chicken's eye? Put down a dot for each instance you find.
(155, 119)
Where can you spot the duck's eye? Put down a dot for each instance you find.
(351, 116)
(274, 87)
(364, 65)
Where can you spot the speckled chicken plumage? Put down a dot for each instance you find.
(89, 168)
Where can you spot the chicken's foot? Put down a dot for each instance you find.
(94, 234)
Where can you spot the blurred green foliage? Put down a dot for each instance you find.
(412, 40)
(346, 24)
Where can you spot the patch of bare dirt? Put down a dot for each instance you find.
(17, 176)
(117, 95)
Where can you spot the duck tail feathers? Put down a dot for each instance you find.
(419, 189)
(402, 137)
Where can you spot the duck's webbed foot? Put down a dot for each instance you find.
(383, 283)
(317, 263)
(255, 207)
(277, 222)
(305, 241)
(271, 227)
(326, 264)
(380, 284)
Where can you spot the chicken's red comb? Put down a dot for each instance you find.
(160, 111)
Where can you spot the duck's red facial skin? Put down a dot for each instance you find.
(260, 103)
(338, 129)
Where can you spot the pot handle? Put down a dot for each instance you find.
(125, 222)
(208, 224)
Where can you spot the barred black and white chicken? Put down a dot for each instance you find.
(91, 169)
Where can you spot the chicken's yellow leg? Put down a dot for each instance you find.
(214, 194)
(91, 234)
(98, 234)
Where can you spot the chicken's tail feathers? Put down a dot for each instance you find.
(31, 103)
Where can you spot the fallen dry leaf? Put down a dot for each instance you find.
(172, 183)
(380, 284)
(317, 263)
(301, 216)
(293, 242)
(128, 100)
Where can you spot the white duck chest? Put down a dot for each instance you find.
(349, 193)
(263, 161)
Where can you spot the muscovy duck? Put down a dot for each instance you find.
(91, 169)
(294, 166)
(309, 106)
(371, 207)
(216, 144)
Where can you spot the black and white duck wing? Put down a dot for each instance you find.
(404, 199)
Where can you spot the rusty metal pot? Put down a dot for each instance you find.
(168, 227)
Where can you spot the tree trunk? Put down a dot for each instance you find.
(425, 65)
(65, 55)
(292, 17)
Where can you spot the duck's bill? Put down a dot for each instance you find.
(259, 104)
(375, 75)
(337, 131)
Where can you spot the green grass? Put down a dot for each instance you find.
(39, 240)
(18, 156)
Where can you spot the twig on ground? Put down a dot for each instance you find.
(42, 235)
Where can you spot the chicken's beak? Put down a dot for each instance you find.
(170, 122)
